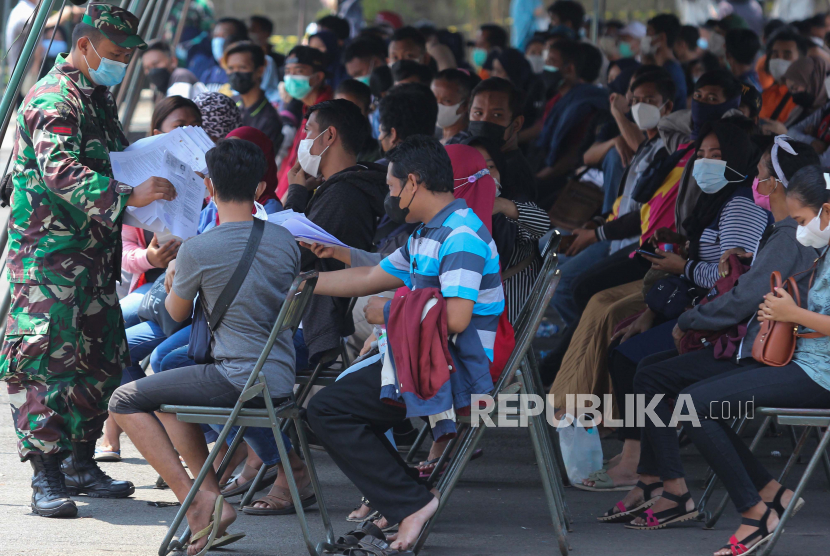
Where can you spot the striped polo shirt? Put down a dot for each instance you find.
(455, 253)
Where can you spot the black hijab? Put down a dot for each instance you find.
(738, 150)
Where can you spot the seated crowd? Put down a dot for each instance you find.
(681, 172)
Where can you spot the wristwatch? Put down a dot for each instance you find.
(123, 189)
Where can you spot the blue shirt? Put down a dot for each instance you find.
(679, 78)
(455, 253)
(813, 354)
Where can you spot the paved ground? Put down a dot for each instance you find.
(498, 509)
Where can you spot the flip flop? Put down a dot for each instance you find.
(241, 488)
(602, 483)
(227, 538)
(107, 455)
(281, 502)
(426, 473)
(212, 529)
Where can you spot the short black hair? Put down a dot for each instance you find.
(496, 36)
(411, 34)
(771, 27)
(668, 24)
(466, 81)
(346, 118)
(662, 82)
(240, 29)
(81, 30)
(158, 45)
(788, 34)
(536, 38)
(723, 79)
(410, 109)
(743, 45)
(337, 25)
(262, 22)
(167, 106)
(364, 48)
(568, 11)
(515, 99)
(805, 155)
(809, 187)
(570, 52)
(426, 157)
(357, 89)
(256, 52)
(381, 80)
(591, 64)
(404, 69)
(689, 34)
(236, 167)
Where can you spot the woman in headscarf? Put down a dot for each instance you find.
(326, 42)
(512, 65)
(268, 199)
(805, 81)
(473, 182)
(815, 128)
(220, 114)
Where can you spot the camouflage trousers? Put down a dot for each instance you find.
(62, 357)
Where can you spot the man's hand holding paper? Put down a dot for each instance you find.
(151, 189)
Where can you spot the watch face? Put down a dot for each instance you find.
(124, 189)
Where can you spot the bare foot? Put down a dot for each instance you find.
(199, 516)
(678, 488)
(412, 526)
(281, 483)
(238, 457)
(435, 452)
(361, 512)
(636, 496)
(756, 512)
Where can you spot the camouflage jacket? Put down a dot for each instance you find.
(65, 221)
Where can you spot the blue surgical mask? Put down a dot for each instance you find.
(57, 47)
(217, 48)
(710, 175)
(365, 79)
(109, 72)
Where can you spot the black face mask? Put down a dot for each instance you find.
(804, 99)
(241, 81)
(159, 78)
(392, 205)
(552, 80)
(488, 130)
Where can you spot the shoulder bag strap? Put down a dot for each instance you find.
(232, 288)
(780, 107)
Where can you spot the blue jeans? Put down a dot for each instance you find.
(261, 440)
(130, 304)
(142, 340)
(612, 170)
(571, 269)
(177, 340)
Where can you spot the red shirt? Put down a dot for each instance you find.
(291, 158)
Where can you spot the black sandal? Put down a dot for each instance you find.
(779, 507)
(659, 520)
(353, 538)
(739, 548)
(619, 512)
(368, 517)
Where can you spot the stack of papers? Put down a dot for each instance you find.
(176, 156)
(304, 229)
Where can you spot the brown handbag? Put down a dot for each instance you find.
(775, 343)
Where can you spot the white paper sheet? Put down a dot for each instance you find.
(304, 229)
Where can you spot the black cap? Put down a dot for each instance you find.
(307, 56)
(751, 98)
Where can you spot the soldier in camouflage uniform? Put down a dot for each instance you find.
(65, 345)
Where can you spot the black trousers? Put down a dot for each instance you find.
(741, 472)
(659, 450)
(350, 420)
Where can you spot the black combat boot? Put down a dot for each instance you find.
(49, 495)
(83, 476)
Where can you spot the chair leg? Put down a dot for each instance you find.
(167, 544)
(545, 470)
(419, 441)
(824, 459)
(713, 519)
(249, 494)
(446, 457)
(802, 441)
(315, 481)
(802, 484)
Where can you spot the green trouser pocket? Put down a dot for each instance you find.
(25, 347)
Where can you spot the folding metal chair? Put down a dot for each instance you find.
(288, 319)
(519, 375)
(811, 420)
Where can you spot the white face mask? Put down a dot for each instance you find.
(646, 46)
(447, 115)
(717, 44)
(537, 62)
(778, 67)
(812, 235)
(310, 163)
(645, 115)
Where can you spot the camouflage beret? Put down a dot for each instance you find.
(117, 24)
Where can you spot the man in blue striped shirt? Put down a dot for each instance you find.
(453, 251)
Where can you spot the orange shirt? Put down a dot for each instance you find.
(770, 98)
(764, 77)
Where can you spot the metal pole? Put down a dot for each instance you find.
(22, 65)
(301, 6)
(180, 27)
(595, 22)
(143, 13)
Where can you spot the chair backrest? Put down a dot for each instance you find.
(532, 312)
(288, 318)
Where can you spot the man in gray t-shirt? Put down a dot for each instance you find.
(205, 264)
